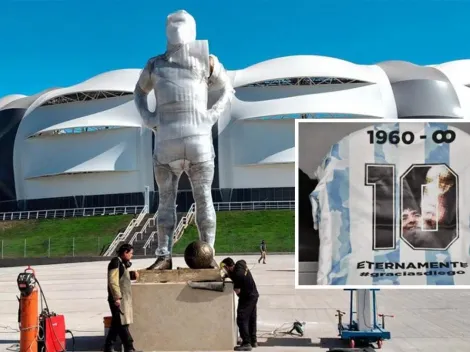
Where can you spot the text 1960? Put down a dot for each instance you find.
(408, 137)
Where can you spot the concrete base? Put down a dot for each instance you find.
(175, 317)
(179, 275)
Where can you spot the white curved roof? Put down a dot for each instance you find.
(24, 101)
(111, 117)
(284, 67)
(372, 99)
(377, 97)
(118, 80)
(104, 162)
(306, 66)
(113, 150)
(283, 157)
(458, 71)
(10, 98)
(286, 156)
(278, 68)
(364, 101)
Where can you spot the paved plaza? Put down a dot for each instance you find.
(425, 320)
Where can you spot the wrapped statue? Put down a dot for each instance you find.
(182, 122)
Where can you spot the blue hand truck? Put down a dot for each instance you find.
(351, 333)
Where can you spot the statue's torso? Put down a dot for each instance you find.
(181, 91)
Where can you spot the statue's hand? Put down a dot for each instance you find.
(150, 120)
(213, 115)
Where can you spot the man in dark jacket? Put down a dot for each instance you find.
(120, 298)
(262, 249)
(245, 287)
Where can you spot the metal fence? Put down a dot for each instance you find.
(245, 242)
(56, 247)
(269, 205)
(24, 246)
(69, 213)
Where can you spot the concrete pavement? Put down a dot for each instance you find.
(425, 320)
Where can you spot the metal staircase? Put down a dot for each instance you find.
(184, 220)
(142, 231)
(142, 234)
(123, 237)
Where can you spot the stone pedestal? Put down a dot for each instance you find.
(171, 316)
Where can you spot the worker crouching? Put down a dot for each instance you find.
(120, 299)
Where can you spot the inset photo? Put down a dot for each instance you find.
(382, 203)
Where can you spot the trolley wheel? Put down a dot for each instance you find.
(352, 344)
(380, 343)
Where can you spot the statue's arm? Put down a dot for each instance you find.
(142, 89)
(219, 80)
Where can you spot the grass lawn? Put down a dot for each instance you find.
(65, 237)
(242, 231)
(237, 231)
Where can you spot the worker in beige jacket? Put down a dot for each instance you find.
(120, 298)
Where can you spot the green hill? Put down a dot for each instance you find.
(242, 231)
(60, 237)
(237, 231)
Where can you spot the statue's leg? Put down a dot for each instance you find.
(201, 176)
(167, 178)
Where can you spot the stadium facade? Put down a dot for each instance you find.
(83, 146)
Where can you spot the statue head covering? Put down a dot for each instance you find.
(180, 28)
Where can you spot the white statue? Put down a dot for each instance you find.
(182, 123)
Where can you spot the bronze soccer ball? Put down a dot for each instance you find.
(198, 255)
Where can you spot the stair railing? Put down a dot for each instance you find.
(182, 225)
(149, 223)
(122, 236)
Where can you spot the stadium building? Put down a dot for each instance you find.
(83, 146)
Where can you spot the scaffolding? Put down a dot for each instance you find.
(311, 115)
(304, 81)
(85, 96)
